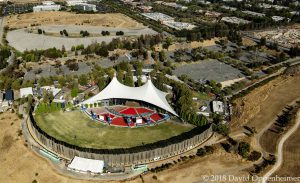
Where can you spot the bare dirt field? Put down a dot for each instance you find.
(262, 105)
(269, 141)
(291, 155)
(117, 20)
(248, 42)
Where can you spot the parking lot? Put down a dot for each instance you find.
(209, 70)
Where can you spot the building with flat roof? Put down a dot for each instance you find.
(85, 7)
(160, 17)
(48, 3)
(24, 92)
(252, 13)
(278, 18)
(228, 8)
(212, 14)
(75, 2)
(168, 21)
(234, 20)
(179, 25)
(218, 107)
(52, 7)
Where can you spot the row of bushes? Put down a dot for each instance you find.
(251, 88)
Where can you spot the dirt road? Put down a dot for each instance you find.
(279, 150)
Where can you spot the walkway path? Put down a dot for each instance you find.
(279, 150)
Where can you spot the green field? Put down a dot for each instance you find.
(76, 128)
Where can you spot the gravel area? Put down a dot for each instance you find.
(209, 70)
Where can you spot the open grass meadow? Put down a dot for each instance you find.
(76, 128)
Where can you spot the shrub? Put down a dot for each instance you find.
(244, 149)
(221, 129)
(40, 31)
(119, 33)
(254, 156)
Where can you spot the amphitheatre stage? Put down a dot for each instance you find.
(132, 127)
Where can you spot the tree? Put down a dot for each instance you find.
(139, 81)
(120, 75)
(101, 83)
(162, 56)
(244, 149)
(129, 79)
(102, 51)
(263, 41)
(40, 31)
(119, 33)
(47, 97)
(4, 54)
(221, 129)
(167, 43)
(74, 92)
(105, 33)
(83, 80)
(16, 85)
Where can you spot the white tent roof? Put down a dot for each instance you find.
(83, 164)
(147, 93)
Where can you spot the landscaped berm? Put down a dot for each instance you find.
(74, 127)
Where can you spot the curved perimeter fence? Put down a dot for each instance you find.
(127, 156)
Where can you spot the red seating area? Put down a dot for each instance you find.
(155, 117)
(142, 110)
(120, 121)
(129, 111)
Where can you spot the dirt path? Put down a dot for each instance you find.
(279, 149)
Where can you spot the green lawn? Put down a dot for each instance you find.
(76, 128)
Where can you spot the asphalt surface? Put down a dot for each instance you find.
(209, 70)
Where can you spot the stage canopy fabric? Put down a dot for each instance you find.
(85, 165)
(147, 93)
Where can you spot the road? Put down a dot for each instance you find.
(279, 150)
